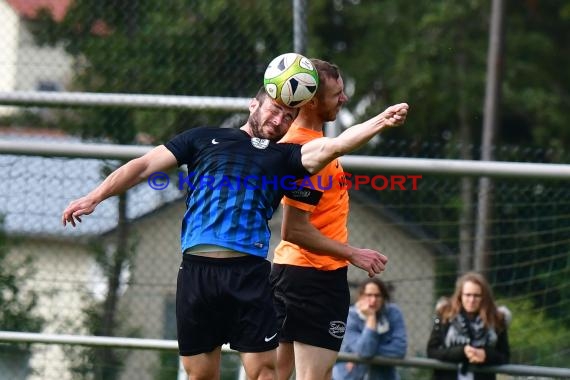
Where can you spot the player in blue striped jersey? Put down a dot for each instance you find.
(223, 292)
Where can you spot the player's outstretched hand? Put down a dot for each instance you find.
(369, 260)
(395, 115)
(77, 208)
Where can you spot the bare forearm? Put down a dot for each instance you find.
(319, 152)
(311, 239)
(122, 179)
(358, 135)
(134, 172)
(119, 181)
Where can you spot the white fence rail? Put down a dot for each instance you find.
(379, 164)
(418, 166)
(171, 345)
(86, 99)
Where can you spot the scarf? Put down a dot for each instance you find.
(464, 331)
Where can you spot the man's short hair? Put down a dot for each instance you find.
(261, 95)
(325, 70)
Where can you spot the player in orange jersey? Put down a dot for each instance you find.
(309, 274)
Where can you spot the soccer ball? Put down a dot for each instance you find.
(291, 79)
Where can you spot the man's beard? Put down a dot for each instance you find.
(255, 125)
(329, 115)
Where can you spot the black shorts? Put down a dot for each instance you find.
(311, 304)
(222, 301)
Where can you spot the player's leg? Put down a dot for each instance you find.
(285, 360)
(201, 320)
(254, 332)
(313, 363)
(317, 305)
(204, 366)
(285, 354)
(260, 365)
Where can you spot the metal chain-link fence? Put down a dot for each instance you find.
(115, 274)
(118, 279)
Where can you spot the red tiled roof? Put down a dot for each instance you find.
(29, 8)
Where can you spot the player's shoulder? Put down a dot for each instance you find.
(210, 131)
(203, 133)
(299, 135)
(286, 147)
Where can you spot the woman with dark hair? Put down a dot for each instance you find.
(469, 329)
(375, 327)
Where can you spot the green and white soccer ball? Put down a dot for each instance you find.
(291, 79)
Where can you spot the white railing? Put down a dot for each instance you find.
(171, 345)
(89, 99)
(420, 166)
(380, 164)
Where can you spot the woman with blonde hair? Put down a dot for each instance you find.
(469, 329)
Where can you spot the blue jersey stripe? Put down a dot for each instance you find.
(231, 194)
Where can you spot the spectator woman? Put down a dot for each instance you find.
(375, 327)
(469, 329)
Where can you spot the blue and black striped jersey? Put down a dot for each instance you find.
(235, 183)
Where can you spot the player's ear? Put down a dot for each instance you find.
(253, 104)
(313, 103)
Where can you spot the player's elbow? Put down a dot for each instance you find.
(292, 235)
(288, 235)
(334, 148)
(319, 153)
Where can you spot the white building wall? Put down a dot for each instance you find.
(24, 65)
(36, 65)
(61, 271)
(9, 30)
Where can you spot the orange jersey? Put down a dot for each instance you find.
(329, 214)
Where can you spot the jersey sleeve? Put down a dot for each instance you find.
(305, 194)
(182, 146)
(303, 198)
(294, 161)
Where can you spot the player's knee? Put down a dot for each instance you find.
(201, 372)
(206, 375)
(267, 373)
(262, 372)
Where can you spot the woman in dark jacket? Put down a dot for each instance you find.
(470, 330)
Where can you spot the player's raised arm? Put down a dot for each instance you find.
(119, 181)
(319, 152)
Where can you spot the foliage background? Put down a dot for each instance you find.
(431, 54)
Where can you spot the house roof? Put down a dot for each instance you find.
(36, 190)
(30, 8)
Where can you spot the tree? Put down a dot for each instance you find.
(183, 47)
(17, 302)
(433, 55)
(214, 48)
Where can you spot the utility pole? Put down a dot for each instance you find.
(300, 26)
(490, 119)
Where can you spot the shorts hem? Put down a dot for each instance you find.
(197, 351)
(320, 345)
(254, 349)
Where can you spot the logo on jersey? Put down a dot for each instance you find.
(259, 143)
(300, 193)
(337, 329)
(215, 142)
